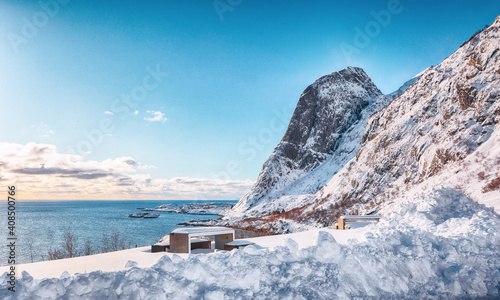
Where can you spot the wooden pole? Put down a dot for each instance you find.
(341, 224)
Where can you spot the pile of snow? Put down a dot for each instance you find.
(442, 245)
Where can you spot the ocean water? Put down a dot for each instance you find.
(43, 224)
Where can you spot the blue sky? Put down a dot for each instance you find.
(235, 72)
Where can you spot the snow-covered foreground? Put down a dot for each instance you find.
(442, 245)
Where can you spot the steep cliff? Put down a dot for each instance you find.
(325, 112)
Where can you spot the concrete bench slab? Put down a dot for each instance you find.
(238, 244)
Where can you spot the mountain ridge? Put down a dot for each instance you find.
(443, 122)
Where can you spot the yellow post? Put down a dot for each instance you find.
(341, 224)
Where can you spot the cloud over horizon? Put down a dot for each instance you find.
(40, 172)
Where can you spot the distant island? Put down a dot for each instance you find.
(212, 208)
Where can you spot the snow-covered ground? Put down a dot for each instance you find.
(440, 245)
(142, 256)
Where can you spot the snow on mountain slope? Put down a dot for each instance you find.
(446, 122)
(441, 128)
(327, 111)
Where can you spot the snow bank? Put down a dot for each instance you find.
(443, 245)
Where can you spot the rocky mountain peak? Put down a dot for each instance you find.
(325, 111)
(497, 22)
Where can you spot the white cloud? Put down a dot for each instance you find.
(155, 116)
(107, 112)
(136, 112)
(41, 172)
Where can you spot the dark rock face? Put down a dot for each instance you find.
(326, 109)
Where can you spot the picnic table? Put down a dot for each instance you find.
(180, 238)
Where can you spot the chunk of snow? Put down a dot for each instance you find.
(131, 264)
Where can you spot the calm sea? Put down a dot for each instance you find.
(43, 224)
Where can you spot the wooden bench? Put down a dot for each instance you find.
(159, 248)
(201, 244)
(344, 220)
(162, 245)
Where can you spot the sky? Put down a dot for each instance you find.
(187, 99)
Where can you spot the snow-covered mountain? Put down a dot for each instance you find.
(440, 131)
(443, 124)
(289, 177)
(326, 112)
